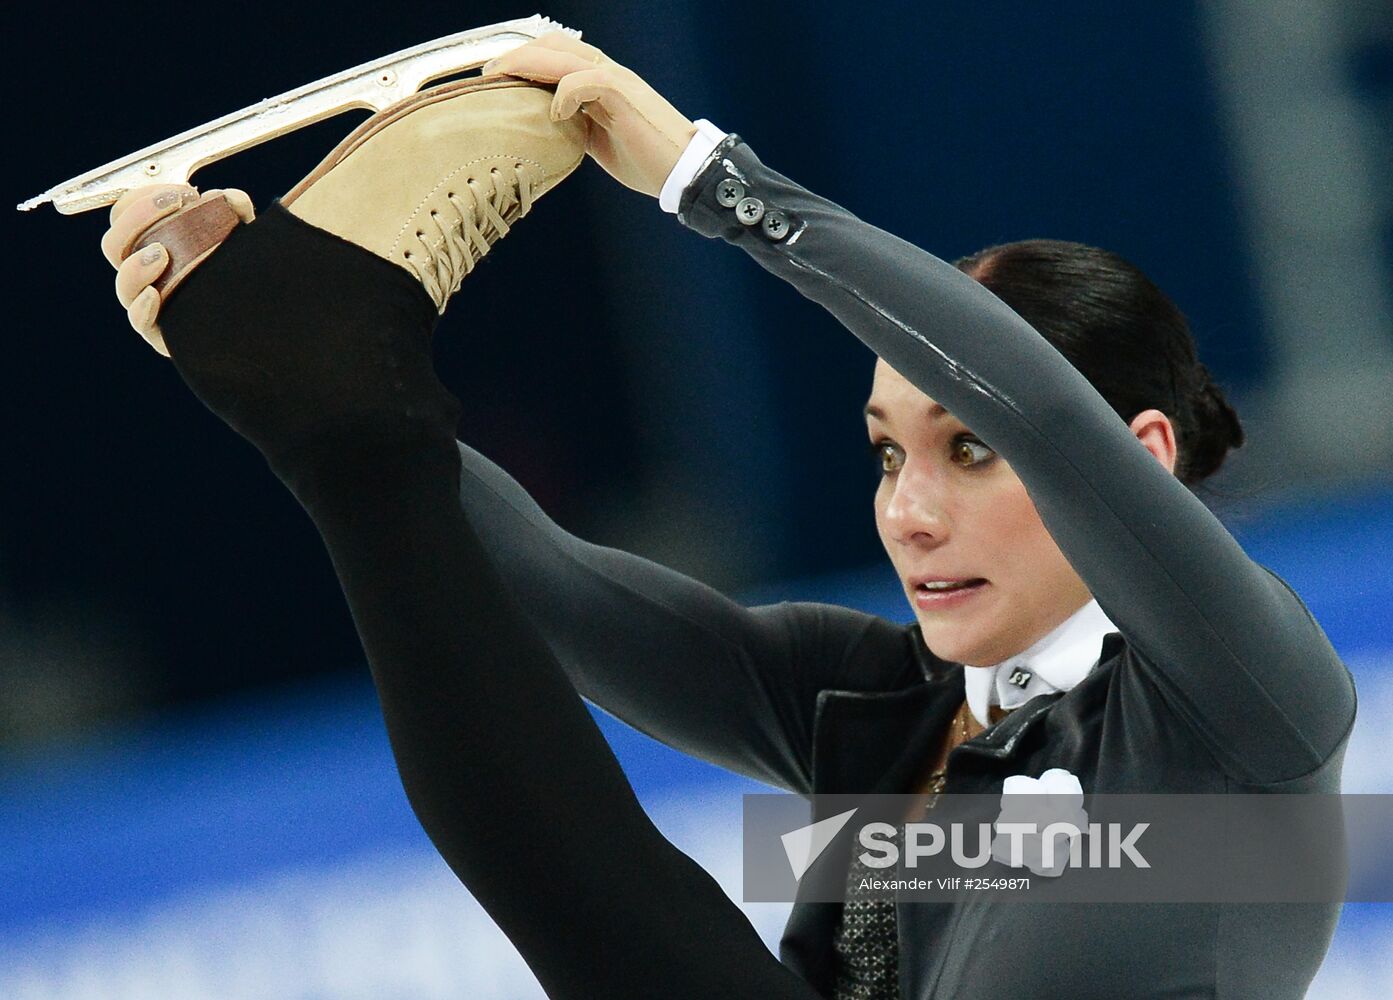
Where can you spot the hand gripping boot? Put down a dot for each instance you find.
(430, 183)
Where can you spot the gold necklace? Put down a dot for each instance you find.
(939, 778)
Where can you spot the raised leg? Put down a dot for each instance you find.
(318, 352)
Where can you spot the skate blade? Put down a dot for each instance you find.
(376, 85)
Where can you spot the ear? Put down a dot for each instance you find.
(1153, 429)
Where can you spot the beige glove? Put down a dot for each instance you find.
(640, 135)
(137, 211)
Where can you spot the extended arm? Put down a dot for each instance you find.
(1231, 647)
(670, 656)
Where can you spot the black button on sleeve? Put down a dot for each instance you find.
(749, 210)
(729, 192)
(775, 225)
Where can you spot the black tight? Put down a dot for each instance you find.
(318, 353)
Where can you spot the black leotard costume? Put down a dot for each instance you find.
(318, 353)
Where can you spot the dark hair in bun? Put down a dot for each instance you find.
(1122, 333)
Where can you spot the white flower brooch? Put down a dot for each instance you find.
(1041, 821)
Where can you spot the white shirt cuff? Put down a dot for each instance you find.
(707, 138)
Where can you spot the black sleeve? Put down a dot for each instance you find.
(670, 656)
(318, 353)
(1234, 651)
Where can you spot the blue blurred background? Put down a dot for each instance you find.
(195, 788)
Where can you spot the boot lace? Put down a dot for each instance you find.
(447, 248)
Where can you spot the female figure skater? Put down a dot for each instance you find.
(1076, 606)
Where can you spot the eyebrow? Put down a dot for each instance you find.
(935, 410)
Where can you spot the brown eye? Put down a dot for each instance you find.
(968, 451)
(888, 456)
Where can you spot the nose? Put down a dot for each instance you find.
(914, 513)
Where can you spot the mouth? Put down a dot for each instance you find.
(932, 593)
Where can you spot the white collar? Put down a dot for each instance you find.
(1055, 663)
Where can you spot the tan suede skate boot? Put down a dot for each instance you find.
(430, 183)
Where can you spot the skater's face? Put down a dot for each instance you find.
(949, 508)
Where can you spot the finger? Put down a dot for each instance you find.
(584, 87)
(136, 193)
(138, 271)
(562, 42)
(596, 112)
(140, 215)
(239, 201)
(124, 202)
(541, 64)
(155, 339)
(142, 315)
